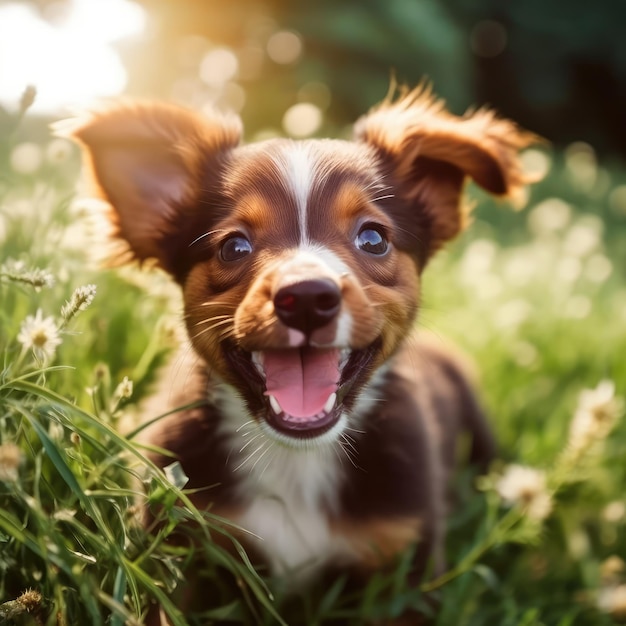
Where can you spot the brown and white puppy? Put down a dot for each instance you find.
(326, 430)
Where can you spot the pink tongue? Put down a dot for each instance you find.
(301, 379)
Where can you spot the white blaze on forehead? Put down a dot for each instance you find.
(326, 256)
(310, 262)
(297, 164)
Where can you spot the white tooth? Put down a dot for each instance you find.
(257, 360)
(274, 404)
(343, 358)
(330, 403)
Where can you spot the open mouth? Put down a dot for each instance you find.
(302, 392)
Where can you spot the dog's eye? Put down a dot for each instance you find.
(235, 248)
(372, 239)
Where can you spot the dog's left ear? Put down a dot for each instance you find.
(427, 153)
(151, 162)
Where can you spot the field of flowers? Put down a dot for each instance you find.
(535, 296)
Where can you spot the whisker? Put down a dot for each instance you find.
(214, 318)
(265, 324)
(197, 308)
(244, 425)
(249, 457)
(378, 184)
(260, 457)
(349, 441)
(355, 430)
(351, 453)
(216, 325)
(245, 445)
(269, 461)
(216, 303)
(207, 234)
(409, 233)
(338, 454)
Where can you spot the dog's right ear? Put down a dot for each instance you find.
(429, 153)
(150, 162)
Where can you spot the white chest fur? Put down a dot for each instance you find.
(288, 506)
(288, 491)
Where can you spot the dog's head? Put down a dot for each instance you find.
(299, 261)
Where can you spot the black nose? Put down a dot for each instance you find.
(308, 305)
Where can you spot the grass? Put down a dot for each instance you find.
(536, 297)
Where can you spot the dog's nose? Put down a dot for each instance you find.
(308, 305)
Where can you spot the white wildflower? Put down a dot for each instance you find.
(171, 332)
(597, 412)
(124, 389)
(80, 300)
(17, 272)
(10, 458)
(58, 151)
(56, 430)
(612, 569)
(39, 334)
(526, 487)
(41, 278)
(614, 512)
(612, 600)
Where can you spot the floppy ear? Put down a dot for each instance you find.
(150, 162)
(427, 154)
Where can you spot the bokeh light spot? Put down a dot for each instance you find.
(617, 200)
(568, 269)
(598, 268)
(302, 120)
(26, 158)
(536, 162)
(577, 307)
(549, 216)
(284, 47)
(583, 237)
(218, 67)
(582, 165)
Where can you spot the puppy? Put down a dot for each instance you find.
(326, 428)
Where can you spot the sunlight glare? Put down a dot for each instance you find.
(71, 63)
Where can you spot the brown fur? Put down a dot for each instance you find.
(181, 189)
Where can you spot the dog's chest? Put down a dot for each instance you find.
(288, 508)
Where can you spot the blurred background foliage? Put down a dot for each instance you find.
(557, 67)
